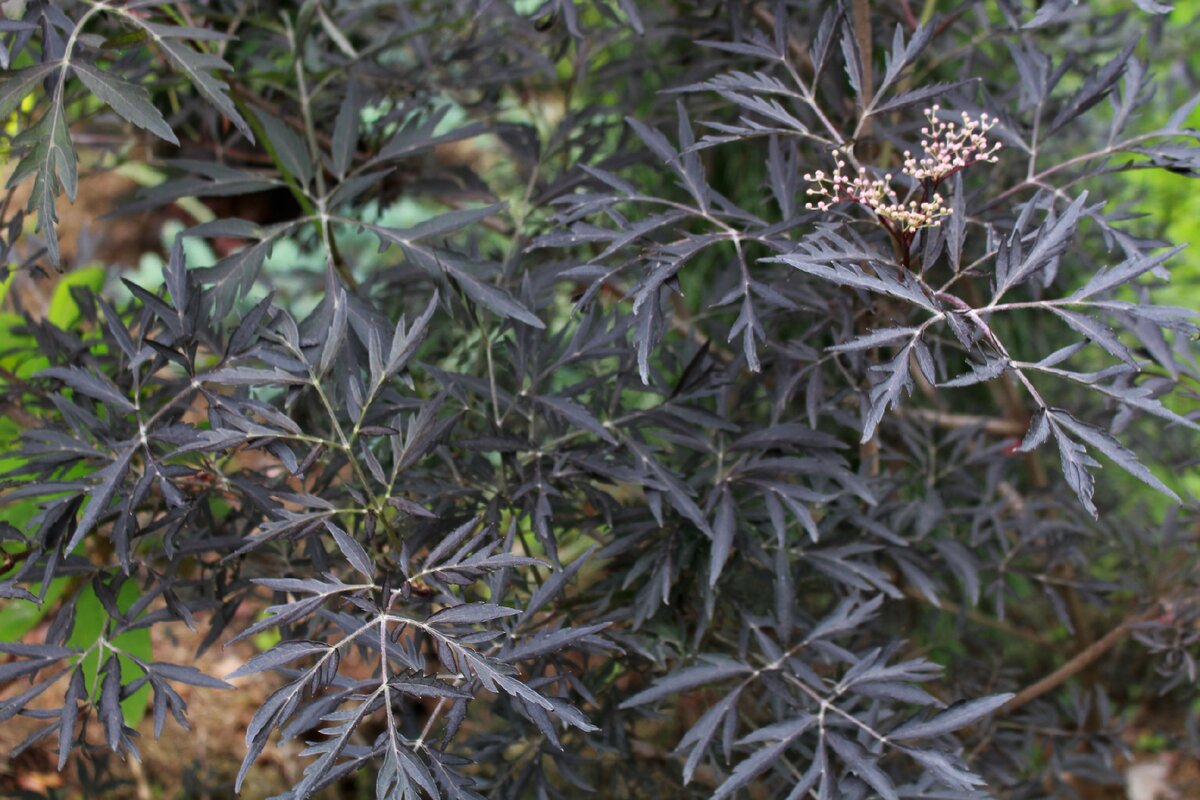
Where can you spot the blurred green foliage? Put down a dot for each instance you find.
(90, 619)
(20, 358)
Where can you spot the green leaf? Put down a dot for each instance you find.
(64, 311)
(5, 285)
(268, 638)
(19, 617)
(90, 621)
(19, 353)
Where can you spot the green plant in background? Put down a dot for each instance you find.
(90, 637)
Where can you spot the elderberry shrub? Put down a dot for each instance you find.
(724, 403)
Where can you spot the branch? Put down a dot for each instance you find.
(1080, 662)
(997, 426)
(862, 32)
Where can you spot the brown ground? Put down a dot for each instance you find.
(212, 750)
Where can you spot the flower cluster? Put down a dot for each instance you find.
(949, 147)
(876, 194)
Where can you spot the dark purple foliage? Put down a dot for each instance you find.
(702, 396)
